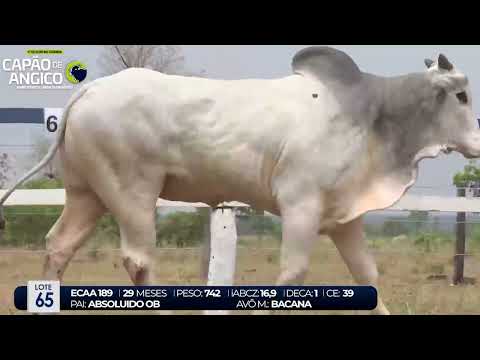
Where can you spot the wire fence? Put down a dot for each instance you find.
(176, 229)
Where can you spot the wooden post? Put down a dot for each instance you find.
(459, 258)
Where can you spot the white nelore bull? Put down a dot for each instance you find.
(319, 148)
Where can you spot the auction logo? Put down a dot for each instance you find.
(34, 72)
(76, 72)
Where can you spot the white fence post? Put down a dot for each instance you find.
(223, 250)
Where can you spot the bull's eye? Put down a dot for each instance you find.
(462, 97)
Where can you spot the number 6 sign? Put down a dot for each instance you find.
(52, 119)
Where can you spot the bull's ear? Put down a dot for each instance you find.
(444, 64)
(429, 63)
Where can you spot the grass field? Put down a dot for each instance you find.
(406, 274)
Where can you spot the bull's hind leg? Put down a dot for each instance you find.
(352, 245)
(134, 210)
(78, 220)
(138, 236)
(133, 207)
(138, 243)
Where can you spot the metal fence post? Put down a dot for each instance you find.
(459, 258)
(260, 213)
(206, 214)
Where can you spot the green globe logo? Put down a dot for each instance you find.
(76, 72)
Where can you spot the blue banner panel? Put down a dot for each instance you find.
(21, 116)
(202, 298)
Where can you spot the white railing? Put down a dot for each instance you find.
(406, 203)
(223, 240)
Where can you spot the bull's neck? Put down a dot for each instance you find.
(404, 115)
(403, 95)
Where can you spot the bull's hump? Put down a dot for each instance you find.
(326, 64)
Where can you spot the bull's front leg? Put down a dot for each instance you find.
(352, 246)
(300, 227)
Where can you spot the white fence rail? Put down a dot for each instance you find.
(223, 241)
(406, 203)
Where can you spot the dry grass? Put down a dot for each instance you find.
(404, 271)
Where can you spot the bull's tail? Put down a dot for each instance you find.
(50, 154)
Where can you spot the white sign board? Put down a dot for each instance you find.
(52, 119)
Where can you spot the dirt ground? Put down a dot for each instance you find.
(412, 281)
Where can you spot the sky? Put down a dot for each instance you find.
(257, 61)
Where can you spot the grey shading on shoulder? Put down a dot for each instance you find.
(326, 64)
